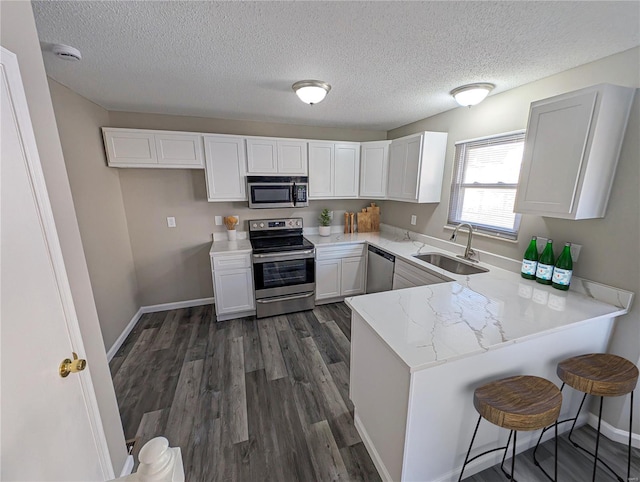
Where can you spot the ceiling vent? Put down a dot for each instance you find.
(66, 52)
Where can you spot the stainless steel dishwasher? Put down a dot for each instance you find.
(380, 265)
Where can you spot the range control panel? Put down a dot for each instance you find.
(275, 224)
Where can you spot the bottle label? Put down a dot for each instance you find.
(562, 276)
(544, 271)
(529, 267)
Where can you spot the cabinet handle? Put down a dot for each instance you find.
(287, 298)
(281, 254)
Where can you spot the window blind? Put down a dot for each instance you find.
(484, 184)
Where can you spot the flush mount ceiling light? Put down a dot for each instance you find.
(311, 91)
(66, 52)
(471, 94)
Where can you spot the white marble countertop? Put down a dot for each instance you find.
(241, 246)
(434, 324)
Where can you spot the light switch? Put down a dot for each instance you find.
(414, 219)
(171, 222)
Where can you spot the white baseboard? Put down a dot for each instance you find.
(177, 305)
(153, 309)
(373, 453)
(613, 433)
(128, 466)
(123, 336)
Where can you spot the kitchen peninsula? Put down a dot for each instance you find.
(418, 353)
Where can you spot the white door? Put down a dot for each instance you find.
(262, 156)
(352, 276)
(51, 429)
(374, 165)
(292, 157)
(328, 273)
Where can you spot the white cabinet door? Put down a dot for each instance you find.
(374, 166)
(400, 283)
(397, 162)
(292, 157)
(153, 149)
(225, 161)
(416, 167)
(233, 291)
(262, 156)
(571, 152)
(328, 276)
(347, 170)
(129, 147)
(352, 276)
(321, 170)
(410, 177)
(179, 150)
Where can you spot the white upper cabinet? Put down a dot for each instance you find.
(276, 156)
(226, 162)
(155, 149)
(572, 146)
(374, 166)
(416, 167)
(334, 170)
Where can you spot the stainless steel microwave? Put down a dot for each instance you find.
(278, 191)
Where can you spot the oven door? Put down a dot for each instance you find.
(271, 195)
(279, 274)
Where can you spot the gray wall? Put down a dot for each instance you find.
(97, 197)
(609, 246)
(18, 34)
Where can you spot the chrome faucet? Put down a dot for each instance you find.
(468, 252)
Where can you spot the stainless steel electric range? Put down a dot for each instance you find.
(283, 267)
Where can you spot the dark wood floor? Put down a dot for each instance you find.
(246, 399)
(258, 400)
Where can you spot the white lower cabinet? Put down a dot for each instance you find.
(406, 275)
(233, 285)
(339, 271)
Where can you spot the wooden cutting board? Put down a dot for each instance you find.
(369, 219)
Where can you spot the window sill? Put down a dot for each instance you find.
(485, 235)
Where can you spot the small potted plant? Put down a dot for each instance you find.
(325, 223)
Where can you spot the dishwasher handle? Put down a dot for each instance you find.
(384, 254)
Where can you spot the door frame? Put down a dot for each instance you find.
(11, 71)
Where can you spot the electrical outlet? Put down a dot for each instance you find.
(414, 219)
(218, 220)
(331, 215)
(171, 222)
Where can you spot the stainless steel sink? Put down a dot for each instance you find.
(452, 265)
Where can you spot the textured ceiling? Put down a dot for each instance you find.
(389, 63)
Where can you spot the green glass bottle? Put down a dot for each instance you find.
(530, 260)
(544, 272)
(563, 269)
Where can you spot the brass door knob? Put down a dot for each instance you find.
(72, 366)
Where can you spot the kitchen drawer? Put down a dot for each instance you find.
(416, 275)
(231, 261)
(340, 251)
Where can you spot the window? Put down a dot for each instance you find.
(485, 180)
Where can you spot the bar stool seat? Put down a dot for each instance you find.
(601, 375)
(519, 403)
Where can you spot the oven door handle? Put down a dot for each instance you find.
(272, 255)
(285, 298)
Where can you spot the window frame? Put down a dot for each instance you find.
(457, 186)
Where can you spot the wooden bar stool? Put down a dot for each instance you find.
(516, 403)
(601, 375)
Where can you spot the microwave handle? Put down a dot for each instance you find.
(294, 193)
